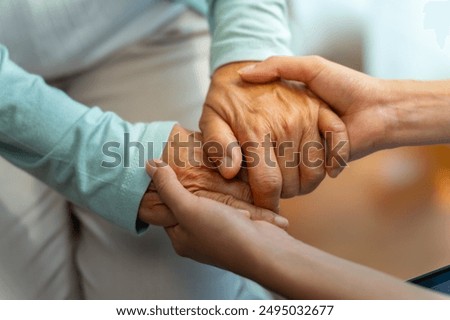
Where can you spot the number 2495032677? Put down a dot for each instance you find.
(299, 310)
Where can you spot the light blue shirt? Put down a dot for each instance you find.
(60, 141)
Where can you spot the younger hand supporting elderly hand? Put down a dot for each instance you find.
(262, 120)
(209, 231)
(379, 114)
(197, 174)
(216, 234)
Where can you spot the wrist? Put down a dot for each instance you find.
(230, 70)
(269, 262)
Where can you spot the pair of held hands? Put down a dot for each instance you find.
(298, 102)
(373, 114)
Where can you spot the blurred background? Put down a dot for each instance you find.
(390, 211)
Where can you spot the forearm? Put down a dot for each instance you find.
(62, 143)
(420, 113)
(299, 271)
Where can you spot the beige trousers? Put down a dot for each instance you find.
(161, 78)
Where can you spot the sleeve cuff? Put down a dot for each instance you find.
(245, 30)
(136, 182)
(240, 51)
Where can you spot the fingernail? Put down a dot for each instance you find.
(245, 212)
(158, 162)
(282, 222)
(247, 69)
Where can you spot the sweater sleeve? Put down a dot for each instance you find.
(248, 30)
(94, 158)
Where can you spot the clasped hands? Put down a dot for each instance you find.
(259, 143)
(278, 127)
(247, 101)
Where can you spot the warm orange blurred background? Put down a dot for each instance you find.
(389, 211)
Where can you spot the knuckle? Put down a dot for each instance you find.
(263, 214)
(150, 199)
(289, 124)
(219, 197)
(193, 180)
(227, 199)
(246, 195)
(213, 141)
(208, 195)
(336, 127)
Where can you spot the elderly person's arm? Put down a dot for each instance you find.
(76, 150)
(94, 158)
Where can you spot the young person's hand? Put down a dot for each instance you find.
(214, 233)
(379, 114)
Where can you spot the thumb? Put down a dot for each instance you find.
(169, 189)
(220, 144)
(303, 69)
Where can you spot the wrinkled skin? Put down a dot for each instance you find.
(184, 154)
(236, 112)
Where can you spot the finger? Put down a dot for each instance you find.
(220, 143)
(288, 160)
(236, 188)
(170, 190)
(312, 166)
(256, 213)
(158, 215)
(264, 175)
(181, 202)
(303, 69)
(153, 211)
(336, 137)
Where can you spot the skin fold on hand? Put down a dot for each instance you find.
(237, 115)
(184, 154)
